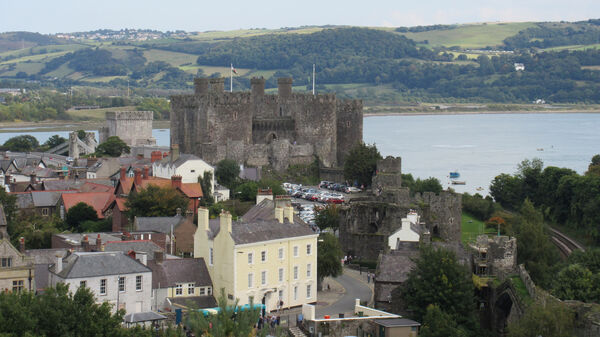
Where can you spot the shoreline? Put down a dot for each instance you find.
(66, 125)
(482, 112)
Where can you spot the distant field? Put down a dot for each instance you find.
(95, 114)
(470, 36)
(173, 58)
(591, 67)
(220, 35)
(209, 70)
(102, 79)
(62, 71)
(39, 57)
(574, 47)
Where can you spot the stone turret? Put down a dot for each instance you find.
(284, 86)
(73, 147)
(258, 87)
(217, 85)
(200, 86)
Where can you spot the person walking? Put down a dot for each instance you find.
(368, 277)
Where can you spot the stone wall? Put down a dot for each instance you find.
(133, 127)
(349, 127)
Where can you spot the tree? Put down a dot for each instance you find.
(329, 257)
(36, 230)
(437, 323)
(328, 217)
(575, 282)
(227, 172)
(156, 201)
(594, 167)
(23, 143)
(438, 279)
(507, 191)
(247, 191)
(112, 147)
(361, 163)
(550, 320)
(9, 204)
(205, 181)
(80, 213)
(53, 141)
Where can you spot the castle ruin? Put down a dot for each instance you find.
(257, 129)
(133, 127)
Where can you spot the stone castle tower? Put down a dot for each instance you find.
(133, 127)
(259, 129)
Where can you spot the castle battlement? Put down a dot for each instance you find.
(215, 124)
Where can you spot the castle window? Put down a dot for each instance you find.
(235, 115)
(347, 123)
(280, 112)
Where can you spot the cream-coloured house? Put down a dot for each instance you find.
(17, 270)
(269, 255)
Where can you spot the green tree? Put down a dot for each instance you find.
(160, 107)
(247, 191)
(590, 258)
(328, 217)
(227, 173)
(112, 147)
(430, 184)
(438, 279)
(594, 167)
(329, 257)
(23, 143)
(437, 323)
(507, 191)
(227, 322)
(36, 230)
(53, 141)
(9, 204)
(575, 282)
(361, 163)
(156, 201)
(205, 181)
(81, 134)
(552, 320)
(78, 214)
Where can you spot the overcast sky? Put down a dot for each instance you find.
(54, 16)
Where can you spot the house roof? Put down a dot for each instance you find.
(162, 224)
(85, 264)
(95, 199)
(191, 190)
(75, 238)
(144, 246)
(396, 322)
(200, 302)
(395, 266)
(95, 187)
(46, 256)
(24, 199)
(183, 157)
(170, 272)
(139, 317)
(47, 198)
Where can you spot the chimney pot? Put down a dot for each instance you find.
(123, 173)
(159, 256)
(176, 181)
(22, 245)
(137, 176)
(58, 265)
(146, 172)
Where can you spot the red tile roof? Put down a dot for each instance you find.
(94, 187)
(97, 200)
(192, 190)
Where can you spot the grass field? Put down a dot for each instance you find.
(470, 36)
(173, 58)
(573, 47)
(471, 227)
(95, 114)
(221, 35)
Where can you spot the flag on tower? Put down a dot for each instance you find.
(233, 69)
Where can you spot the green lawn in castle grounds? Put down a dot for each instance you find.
(471, 227)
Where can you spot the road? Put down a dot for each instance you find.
(354, 289)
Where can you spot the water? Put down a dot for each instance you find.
(479, 147)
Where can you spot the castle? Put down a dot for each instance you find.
(133, 127)
(257, 129)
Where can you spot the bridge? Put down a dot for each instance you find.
(75, 146)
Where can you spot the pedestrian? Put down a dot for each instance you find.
(368, 277)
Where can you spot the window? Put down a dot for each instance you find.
(295, 272)
(308, 291)
(178, 289)
(44, 211)
(138, 283)
(82, 284)
(210, 256)
(202, 291)
(280, 274)
(263, 256)
(295, 293)
(235, 115)
(250, 277)
(17, 286)
(295, 251)
(191, 287)
(280, 253)
(263, 277)
(347, 123)
(121, 284)
(250, 258)
(149, 236)
(208, 290)
(280, 294)
(308, 270)
(103, 286)
(6, 262)
(308, 249)
(192, 171)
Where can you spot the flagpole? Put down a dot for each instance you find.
(313, 79)
(231, 78)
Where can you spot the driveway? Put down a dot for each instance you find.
(355, 288)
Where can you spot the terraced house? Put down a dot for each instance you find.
(269, 255)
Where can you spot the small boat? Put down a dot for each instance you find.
(540, 149)
(479, 188)
(457, 182)
(454, 175)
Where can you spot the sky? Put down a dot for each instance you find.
(62, 16)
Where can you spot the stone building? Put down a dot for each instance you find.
(133, 127)
(259, 129)
(494, 255)
(17, 270)
(367, 222)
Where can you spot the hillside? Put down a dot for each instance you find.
(441, 63)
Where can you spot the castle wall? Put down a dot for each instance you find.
(442, 214)
(133, 127)
(349, 127)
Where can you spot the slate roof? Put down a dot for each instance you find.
(85, 264)
(139, 317)
(145, 246)
(75, 238)
(42, 259)
(24, 200)
(396, 322)
(162, 224)
(395, 266)
(200, 302)
(47, 198)
(170, 272)
(183, 157)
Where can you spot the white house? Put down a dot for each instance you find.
(519, 66)
(409, 232)
(113, 277)
(188, 166)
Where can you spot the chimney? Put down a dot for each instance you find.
(174, 152)
(91, 161)
(165, 155)
(85, 244)
(140, 156)
(288, 213)
(155, 156)
(176, 181)
(203, 218)
(200, 86)
(58, 265)
(225, 220)
(279, 214)
(137, 176)
(22, 245)
(159, 256)
(123, 173)
(262, 194)
(7, 179)
(143, 258)
(98, 243)
(32, 179)
(146, 172)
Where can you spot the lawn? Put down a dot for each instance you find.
(471, 227)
